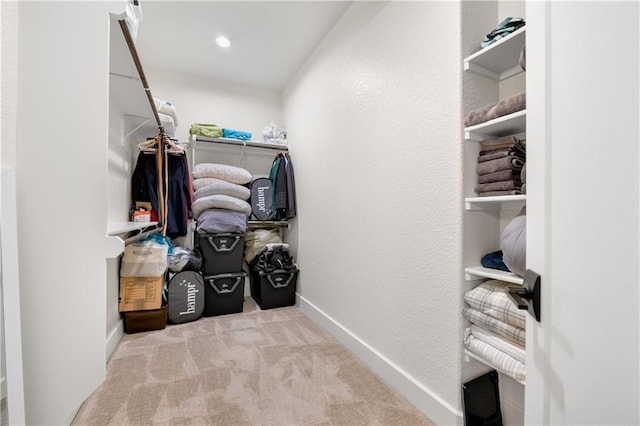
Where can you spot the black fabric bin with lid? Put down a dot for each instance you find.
(274, 289)
(221, 253)
(223, 294)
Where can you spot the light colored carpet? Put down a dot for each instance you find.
(273, 367)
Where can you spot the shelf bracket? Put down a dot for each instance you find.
(468, 66)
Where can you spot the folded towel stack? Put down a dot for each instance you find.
(499, 166)
(490, 112)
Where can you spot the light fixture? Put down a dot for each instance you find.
(223, 41)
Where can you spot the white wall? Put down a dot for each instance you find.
(374, 119)
(202, 100)
(8, 105)
(62, 209)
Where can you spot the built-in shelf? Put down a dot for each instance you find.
(502, 126)
(256, 224)
(117, 228)
(470, 355)
(125, 86)
(499, 60)
(237, 142)
(503, 202)
(478, 272)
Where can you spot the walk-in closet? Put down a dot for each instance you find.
(429, 138)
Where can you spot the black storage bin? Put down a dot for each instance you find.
(223, 294)
(274, 289)
(221, 253)
(481, 400)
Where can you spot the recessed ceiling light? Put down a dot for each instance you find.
(223, 41)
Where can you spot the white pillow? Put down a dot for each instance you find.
(222, 171)
(202, 182)
(223, 187)
(219, 201)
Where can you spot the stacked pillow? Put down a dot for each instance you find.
(220, 204)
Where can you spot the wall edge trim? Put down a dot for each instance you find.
(113, 338)
(423, 398)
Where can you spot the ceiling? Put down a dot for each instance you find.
(270, 39)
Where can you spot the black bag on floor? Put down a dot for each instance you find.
(185, 297)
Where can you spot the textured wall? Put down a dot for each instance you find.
(61, 173)
(374, 121)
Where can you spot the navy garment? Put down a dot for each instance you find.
(179, 195)
(494, 261)
(145, 188)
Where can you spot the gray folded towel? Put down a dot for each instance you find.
(504, 185)
(500, 176)
(489, 112)
(505, 141)
(500, 193)
(506, 163)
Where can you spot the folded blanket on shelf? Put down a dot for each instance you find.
(496, 358)
(503, 185)
(236, 134)
(220, 221)
(501, 193)
(491, 299)
(208, 130)
(513, 334)
(499, 343)
(502, 175)
(506, 163)
(490, 112)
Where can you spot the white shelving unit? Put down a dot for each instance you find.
(503, 202)
(478, 272)
(484, 215)
(118, 228)
(237, 142)
(499, 60)
(470, 355)
(501, 126)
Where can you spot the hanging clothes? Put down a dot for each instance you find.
(282, 177)
(179, 195)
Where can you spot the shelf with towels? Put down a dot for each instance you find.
(238, 142)
(499, 60)
(503, 202)
(502, 126)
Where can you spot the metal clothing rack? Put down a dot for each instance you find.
(161, 138)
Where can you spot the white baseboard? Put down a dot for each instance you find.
(418, 394)
(113, 338)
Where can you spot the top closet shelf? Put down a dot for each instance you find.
(504, 202)
(502, 126)
(116, 228)
(499, 60)
(228, 141)
(125, 86)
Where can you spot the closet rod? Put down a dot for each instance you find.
(136, 61)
